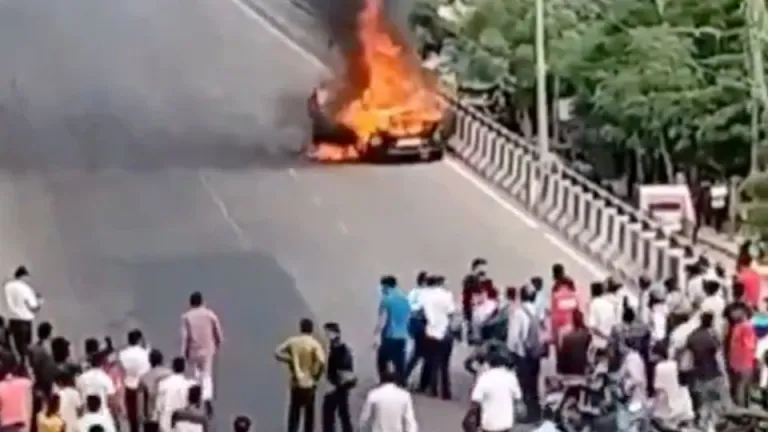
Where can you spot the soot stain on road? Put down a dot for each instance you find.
(259, 305)
(40, 141)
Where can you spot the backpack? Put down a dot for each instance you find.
(533, 344)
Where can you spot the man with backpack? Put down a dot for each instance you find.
(525, 339)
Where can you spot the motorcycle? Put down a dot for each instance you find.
(743, 420)
(582, 403)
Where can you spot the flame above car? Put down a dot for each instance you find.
(383, 89)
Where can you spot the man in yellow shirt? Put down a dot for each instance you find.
(305, 359)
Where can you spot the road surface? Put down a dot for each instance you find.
(146, 152)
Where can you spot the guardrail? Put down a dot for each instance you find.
(613, 233)
(610, 200)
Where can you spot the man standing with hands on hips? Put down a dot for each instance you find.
(23, 303)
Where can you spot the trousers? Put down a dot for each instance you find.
(391, 353)
(202, 370)
(301, 407)
(336, 406)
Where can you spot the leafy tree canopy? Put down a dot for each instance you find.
(663, 86)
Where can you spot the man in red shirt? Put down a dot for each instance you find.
(742, 345)
(750, 279)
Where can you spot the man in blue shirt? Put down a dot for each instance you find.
(391, 333)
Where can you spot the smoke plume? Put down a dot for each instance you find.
(340, 20)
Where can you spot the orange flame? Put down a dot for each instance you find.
(396, 96)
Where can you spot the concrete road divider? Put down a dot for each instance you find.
(605, 228)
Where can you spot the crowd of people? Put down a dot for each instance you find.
(672, 355)
(44, 387)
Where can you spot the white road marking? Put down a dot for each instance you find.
(452, 164)
(576, 256)
(268, 26)
(342, 227)
(245, 243)
(496, 196)
(488, 191)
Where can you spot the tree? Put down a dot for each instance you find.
(755, 210)
(661, 86)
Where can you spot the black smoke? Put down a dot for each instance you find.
(339, 19)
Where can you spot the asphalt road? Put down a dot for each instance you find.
(146, 151)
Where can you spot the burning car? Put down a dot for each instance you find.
(382, 105)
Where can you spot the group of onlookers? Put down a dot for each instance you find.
(678, 354)
(44, 388)
(698, 344)
(417, 329)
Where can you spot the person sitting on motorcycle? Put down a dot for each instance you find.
(597, 397)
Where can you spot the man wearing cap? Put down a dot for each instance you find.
(23, 304)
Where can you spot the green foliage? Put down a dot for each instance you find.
(669, 83)
(756, 186)
(755, 210)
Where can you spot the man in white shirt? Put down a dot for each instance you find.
(95, 415)
(601, 316)
(388, 408)
(718, 204)
(714, 303)
(439, 309)
(172, 394)
(135, 363)
(23, 304)
(525, 341)
(94, 381)
(494, 396)
(414, 295)
(694, 290)
(672, 403)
